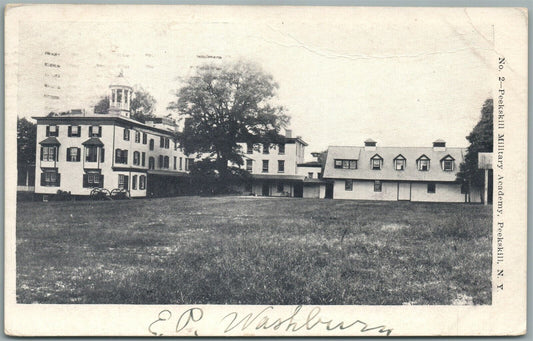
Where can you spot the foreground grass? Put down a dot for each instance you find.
(231, 250)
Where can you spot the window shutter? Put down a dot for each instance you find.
(47, 131)
(57, 153)
(78, 155)
(69, 131)
(42, 153)
(125, 155)
(99, 131)
(42, 178)
(85, 181)
(117, 156)
(58, 182)
(101, 181)
(126, 182)
(102, 154)
(90, 131)
(68, 153)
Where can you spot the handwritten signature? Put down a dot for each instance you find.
(265, 319)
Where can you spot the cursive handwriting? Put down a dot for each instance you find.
(264, 319)
(313, 319)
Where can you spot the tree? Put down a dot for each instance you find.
(142, 105)
(223, 106)
(26, 146)
(480, 139)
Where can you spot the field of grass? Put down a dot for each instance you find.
(236, 250)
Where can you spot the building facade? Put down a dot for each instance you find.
(397, 173)
(79, 152)
(279, 170)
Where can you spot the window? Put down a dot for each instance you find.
(249, 166)
(399, 163)
(281, 166)
(142, 182)
(52, 130)
(310, 175)
(447, 165)
(93, 179)
(50, 178)
(280, 187)
(123, 182)
(144, 138)
(188, 163)
(167, 143)
(113, 95)
(175, 145)
(345, 164)
(151, 163)
(377, 186)
(249, 148)
(266, 148)
(265, 166)
(49, 153)
(136, 158)
(376, 162)
(134, 182)
(143, 159)
(73, 154)
(423, 165)
(166, 162)
(161, 142)
(121, 156)
(95, 131)
(281, 148)
(74, 131)
(181, 163)
(126, 134)
(175, 163)
(160, 161)
(431, 188)
(348, 185)
(319, 175)
(91, 153)
(151, 144)
(137, 137)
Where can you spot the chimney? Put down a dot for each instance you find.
(439, 145)
(370, 144)
(288, 133)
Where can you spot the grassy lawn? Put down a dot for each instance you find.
(253, 251)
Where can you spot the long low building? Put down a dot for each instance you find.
(397, 173)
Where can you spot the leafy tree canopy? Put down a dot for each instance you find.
(223, 105)
(480, 139)
(26, 141)
(142, 105)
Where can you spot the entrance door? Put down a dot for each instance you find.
(298, 190)
(329, 190)
(265, 190)
(404, 191)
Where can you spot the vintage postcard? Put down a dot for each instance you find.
(265, 171)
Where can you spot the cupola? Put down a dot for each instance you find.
(120, 96)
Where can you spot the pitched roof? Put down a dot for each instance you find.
(388, 171)
(50, 141)
(93, 141)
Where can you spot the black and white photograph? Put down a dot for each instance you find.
(261, 170)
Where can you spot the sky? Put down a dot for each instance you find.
(402, 78)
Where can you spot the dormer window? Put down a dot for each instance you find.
(447, 163)
(423, 163)
(345, 164)
(399, 163)
(376, 162)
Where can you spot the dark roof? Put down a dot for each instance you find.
(50, 141)
(278, 177)
(310, 164)
(93, 141)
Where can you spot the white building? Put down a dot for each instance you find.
(397, 173)
(279, 169)
(79, 152)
